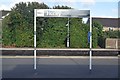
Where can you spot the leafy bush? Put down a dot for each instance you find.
(51, 32)
(55, 33)
(18, 25)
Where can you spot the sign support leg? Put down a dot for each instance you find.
(90, 53)
(35, 39)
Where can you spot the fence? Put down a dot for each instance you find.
(112, 43)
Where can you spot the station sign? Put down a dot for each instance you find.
(62, 13)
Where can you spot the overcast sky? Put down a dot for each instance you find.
(99, 8)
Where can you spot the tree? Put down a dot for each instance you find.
(51, 32)
(55, 34)
(78, 33)
(18, 25)
(54, 31)
(111, 34)
(61, 7)
(98, 32)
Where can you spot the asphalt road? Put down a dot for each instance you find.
(63, 67)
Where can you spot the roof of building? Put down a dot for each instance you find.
(107, 22)
(3, 13)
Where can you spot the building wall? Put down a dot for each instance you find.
(110, 28)
(112, 43)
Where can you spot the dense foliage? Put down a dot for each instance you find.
(98, 34)
(18, 26)
(102, 35)
(112, 34)
(51, 32)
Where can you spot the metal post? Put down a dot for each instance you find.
(1, 46)
(34, 38)
(90, 65)
(68, 35)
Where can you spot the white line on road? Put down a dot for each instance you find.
(96, 57)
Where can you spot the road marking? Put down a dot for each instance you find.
(94, 57)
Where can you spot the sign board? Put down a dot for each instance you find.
(62, 13)
(89, 34)
(67, 13)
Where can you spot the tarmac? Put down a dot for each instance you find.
(59, 67)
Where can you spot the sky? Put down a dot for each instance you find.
(98, 8)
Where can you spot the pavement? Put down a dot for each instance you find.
(59, 67)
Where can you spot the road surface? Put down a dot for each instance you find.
(59, 67)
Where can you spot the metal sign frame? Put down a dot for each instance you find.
(69, 13)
